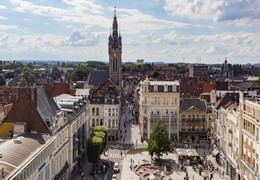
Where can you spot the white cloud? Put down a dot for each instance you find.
(211, 49)
(217, 10)
(85, 6)
(88, 13)
(3, 18)
(81, 37)
(5, 27)
(85, 12)
(69, 26)
(2, 7)
(133, 21)
(3, 41)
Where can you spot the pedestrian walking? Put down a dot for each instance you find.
(82, 174)
(3, 175)
(121, 154)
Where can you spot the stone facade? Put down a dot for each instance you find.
(159, 100)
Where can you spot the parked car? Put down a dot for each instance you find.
(114, 177)
(116, 168)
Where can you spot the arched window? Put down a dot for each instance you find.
(109, 111)
(101, 122)
(93, 122)
(97, 111)
(93, 111)
(113, 112)
(113, 123)
(109, 123)
(97, 122)
(116, 123)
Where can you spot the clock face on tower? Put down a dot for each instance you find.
(114, 54)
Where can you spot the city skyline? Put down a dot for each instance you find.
(157, 30)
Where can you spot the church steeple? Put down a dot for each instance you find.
(115, 53)
(115, 26)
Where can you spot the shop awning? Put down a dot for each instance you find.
(215, 152)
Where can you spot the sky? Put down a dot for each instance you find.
(189, 31)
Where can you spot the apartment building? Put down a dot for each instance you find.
(232, 146)
(226, 137)
(236, 145)
(159, 100)
(193, 124)
(104, 109)
(50, 137)
(249, 146)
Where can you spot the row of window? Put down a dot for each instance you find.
(110, 123)
(164, 121)
(252, 111)
(163, 101)
(164, 113)
(162, 88)
(111, 111)
(249, 127)
(183, 116)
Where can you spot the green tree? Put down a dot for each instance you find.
(96, 144)
(81, 72)
(159, 142)
(23, 82)
(2, 80)
(94, 149)
(97, 64)
(28, 74)
(104, 130)
(55, 73)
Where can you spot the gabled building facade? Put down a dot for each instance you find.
(104, 109)
(193, 122)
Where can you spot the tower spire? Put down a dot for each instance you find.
(115, 12)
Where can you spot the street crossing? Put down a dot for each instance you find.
(114, 155)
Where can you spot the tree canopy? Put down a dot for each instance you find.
(159, 142)
(97, 143)
(81, 72)
(2, 80)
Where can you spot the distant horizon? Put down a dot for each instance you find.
(185, 31)
(149, 62)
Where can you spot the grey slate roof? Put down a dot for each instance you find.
(187, 103)
(14, 82)
(97, 77)
(46, 106)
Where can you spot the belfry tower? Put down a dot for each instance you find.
(115, 54)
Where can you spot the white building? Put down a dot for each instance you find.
(159, 100)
